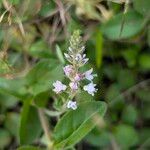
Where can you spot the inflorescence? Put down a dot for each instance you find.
(77, 59)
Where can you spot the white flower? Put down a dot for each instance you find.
(90, 88)
(72, 105)
(68, 70)
(88, 74)
(73, 85)
(58, 87)
(78, 57)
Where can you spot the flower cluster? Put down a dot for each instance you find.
(77, 59)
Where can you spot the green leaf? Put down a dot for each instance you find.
(129, 79)
(42, 75)
(30, 127)
(47, 8)
(114, 97)
(98, 138)
(99, 47)
(143, 94)
(130, 114)
(74, 125)
(29, 148)
(59, 54)
(142, 6)
(15, 87)
(126, 136)
(5, 138)
(130, 56)
(148, 37)
(12, 123)
(41, 99)
(40, 49)
(133, 25)
(144, 61)
(7, 101)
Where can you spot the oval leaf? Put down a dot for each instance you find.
(77, 123)
(30, 127)
(41, 77)
(132, 24)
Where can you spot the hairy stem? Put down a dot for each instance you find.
(45, 126)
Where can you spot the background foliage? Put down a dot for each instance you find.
(34, 34)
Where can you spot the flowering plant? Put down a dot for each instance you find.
(77, 59)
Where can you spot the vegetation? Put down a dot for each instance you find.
(34, 35)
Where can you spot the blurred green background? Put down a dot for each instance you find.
(33, 36)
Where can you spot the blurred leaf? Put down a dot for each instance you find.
(40, 49)
(144, 94)
(99, 48)
(41, 77)
(126, 79)
(83, 96)
(14, 2)
(112, 71)
(5, 138)
(12, 123)
(130, 56)
(41, 99)
(15, 87)
(30, 126)
(98, 138)
(144, 136)
(145, 111)
(114, 97)
(47, 8)
(7, 101)
(144, 61)
(126, 136)
(130, 114)
(142, 6)
(132, 26)
(60, 54)
(73, 126)
(148, 36)
(28, 148)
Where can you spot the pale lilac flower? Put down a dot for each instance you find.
(68, 70)
(90, 88)
(58, 87)
(72, 105)
(78, 77)
(88, 74)
(73, 85)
